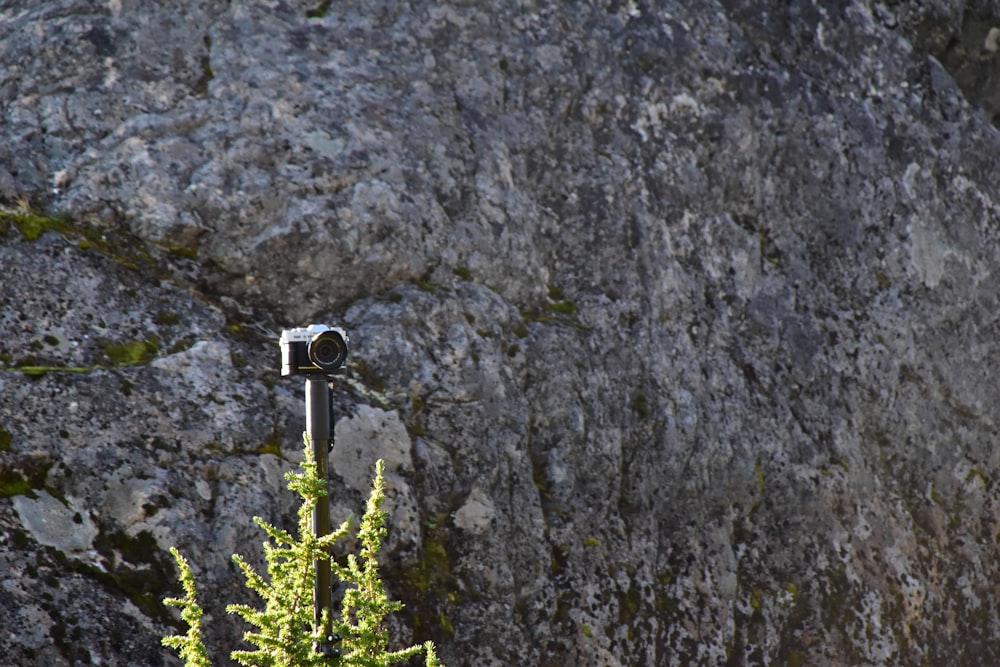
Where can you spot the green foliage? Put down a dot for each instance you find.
(320, 11)
(189, 646)
(365, 605)
(13, 483)
(132, 352)
(286, 632)
(31, 224)
(25, 477)
(640, 405)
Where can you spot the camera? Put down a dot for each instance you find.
(316, 348)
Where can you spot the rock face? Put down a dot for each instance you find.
(673, 321)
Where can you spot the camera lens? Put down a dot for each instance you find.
(328, 351)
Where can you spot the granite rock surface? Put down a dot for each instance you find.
(674, 322)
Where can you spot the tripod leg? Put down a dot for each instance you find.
(318, 413)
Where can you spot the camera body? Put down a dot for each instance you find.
(315, 349)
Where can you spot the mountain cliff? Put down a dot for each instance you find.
(673, 321)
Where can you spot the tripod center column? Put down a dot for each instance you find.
(318, 428)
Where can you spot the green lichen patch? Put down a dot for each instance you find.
(34, 370)
(629, 602)
(435, 585)
(5, 440)
(425, 284)
(414, 422)
(167, 318)
(445, 622)
(559, 303)
(535, 315)
(432, 573)
(25, 476)
(563, 307)
(319, 11)
(367, 375)
(132, 352)
(136, 566)
(640, 405)
(187, 252)
(556, 309)
(13, 483)
(201, 86)
(538, 477)
(115, 244)
(31, 224)
(769, 251)
(182, 344)
(272, 447)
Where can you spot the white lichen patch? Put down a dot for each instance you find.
(55, 524)
(928, 254)
(369, 435)
(870, 634)
(476, 514)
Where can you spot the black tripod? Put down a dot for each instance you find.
(318, 351)
(319, 409)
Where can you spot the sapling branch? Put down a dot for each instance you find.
(286, 632)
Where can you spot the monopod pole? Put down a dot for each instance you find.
(318, 428)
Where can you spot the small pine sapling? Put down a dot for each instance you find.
(286, 630)
(365, 604)
(189, 646)
(287, 633)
